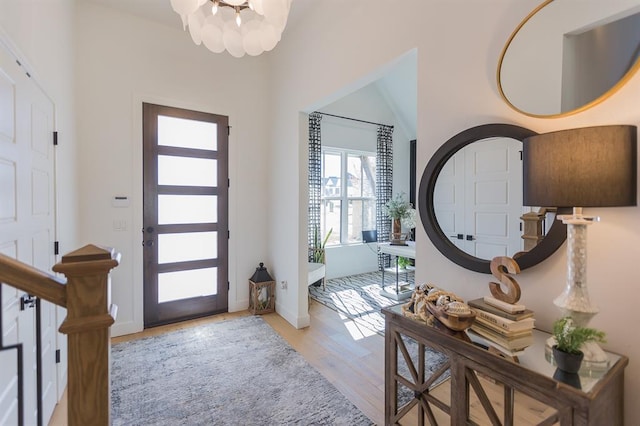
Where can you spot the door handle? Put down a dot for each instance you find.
(27, 301)
(458, 236)
(470, 238)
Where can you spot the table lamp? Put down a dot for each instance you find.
(584, 167)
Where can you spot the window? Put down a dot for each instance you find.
(348, 203)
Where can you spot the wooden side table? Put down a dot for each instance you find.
(484, 388)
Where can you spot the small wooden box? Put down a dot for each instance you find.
(262, 297)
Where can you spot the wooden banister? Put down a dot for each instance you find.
(32, 280)
(90, 314)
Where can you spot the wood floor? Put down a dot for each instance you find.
(349, 356)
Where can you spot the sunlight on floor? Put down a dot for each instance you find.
(358, 304)
(355, 329)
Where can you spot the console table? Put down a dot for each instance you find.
(479, 387)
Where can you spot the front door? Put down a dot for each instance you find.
(185, 233)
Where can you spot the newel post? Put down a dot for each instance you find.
(87, 325)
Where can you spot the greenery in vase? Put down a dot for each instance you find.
(570, 337)
(318, 246)
(403, 262)
(398, 207)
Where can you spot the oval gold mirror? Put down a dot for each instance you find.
(563, 59)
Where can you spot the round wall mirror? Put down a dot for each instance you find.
(470, 201)
(542, 69)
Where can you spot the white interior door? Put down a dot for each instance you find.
(27, 227)
(448, 199)
(43, 233)
(478, 198)
(493, 194)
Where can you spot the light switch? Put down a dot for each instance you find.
(119, 225)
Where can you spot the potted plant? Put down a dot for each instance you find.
(318, 251)
(569, 338)
(398, 209)
(403, 262)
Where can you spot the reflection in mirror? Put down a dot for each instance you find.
(563, 59)
(536, 223)
(478, 198)
(470, 201)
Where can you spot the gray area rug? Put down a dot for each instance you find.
(235, 372)
(358, 297)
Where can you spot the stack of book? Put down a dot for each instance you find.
(508, 328)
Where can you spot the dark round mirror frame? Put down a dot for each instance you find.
(551, 242)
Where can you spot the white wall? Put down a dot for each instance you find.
(122, 61)
(459, 43)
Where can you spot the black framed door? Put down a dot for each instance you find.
(185, 232)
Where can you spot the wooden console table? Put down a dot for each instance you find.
(484, 388)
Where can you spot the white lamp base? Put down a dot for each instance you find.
(575, 301)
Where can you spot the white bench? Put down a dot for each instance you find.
(316, 272)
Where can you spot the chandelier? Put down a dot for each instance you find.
(239, 26)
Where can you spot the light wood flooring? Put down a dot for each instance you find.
(349, 356)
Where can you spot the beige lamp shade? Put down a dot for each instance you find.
(585, 167)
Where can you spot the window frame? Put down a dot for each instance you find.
(344, 197)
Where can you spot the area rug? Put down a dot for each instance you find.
(358, 297)
(235, 372)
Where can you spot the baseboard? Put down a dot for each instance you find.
(125, 328)
(296, 321)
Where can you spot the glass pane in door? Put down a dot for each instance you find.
(187, 171)
(185, 133)
(187, 284)
(187, 246)
(173, 209)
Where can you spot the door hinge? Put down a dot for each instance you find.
(56, 247)
(520, 155)
(55, 138)
(228, 235)
(228, 286)
(229, 183)
(228, 130)
(57, 356)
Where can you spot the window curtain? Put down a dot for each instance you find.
(315, 179)
(384, 188)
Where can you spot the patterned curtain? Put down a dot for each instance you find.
(384, 188)
(315, 179)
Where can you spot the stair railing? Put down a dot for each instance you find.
(86, 295)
